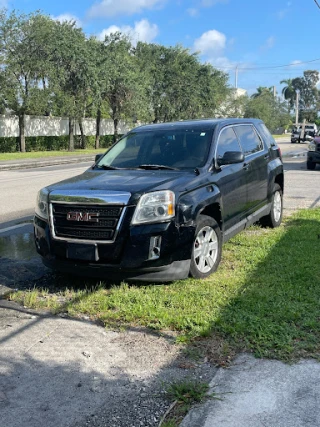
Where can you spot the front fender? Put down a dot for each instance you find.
(194, 202)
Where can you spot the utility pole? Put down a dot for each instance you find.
(297, 106)
(236, 78)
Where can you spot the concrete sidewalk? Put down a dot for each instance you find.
(261, 393)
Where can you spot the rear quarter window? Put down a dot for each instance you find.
(249, 139)
(266, 135)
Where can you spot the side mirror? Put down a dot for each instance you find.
(231, 157)
(98, 157)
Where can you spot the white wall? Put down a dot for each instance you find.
(56, 126)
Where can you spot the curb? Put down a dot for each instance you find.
(65, 161)
(293, 154)
(43, 163)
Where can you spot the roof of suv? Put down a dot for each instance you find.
(203, 123)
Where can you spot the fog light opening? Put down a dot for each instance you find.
(154, 248)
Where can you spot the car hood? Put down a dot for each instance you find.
(135, 182)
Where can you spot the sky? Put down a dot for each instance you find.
(266, 41)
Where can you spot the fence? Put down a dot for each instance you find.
(57, 126)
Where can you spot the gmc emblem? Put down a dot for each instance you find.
(83, 216)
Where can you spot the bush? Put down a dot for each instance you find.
(51, 143)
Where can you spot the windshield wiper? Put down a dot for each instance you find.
(157, 167)
(108, 167)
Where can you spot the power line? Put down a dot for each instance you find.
(270, 66)
(317, 3)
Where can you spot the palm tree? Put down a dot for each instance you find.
(289, 92)
(263, 90)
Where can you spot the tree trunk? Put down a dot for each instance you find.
(22, 139)
(83, 137)
(98, 121)
(115, 125)
(71, 134)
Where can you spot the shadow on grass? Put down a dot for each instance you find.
(276, 312)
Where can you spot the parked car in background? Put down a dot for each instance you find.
(313, 155)
(310, 130)
(158, 205)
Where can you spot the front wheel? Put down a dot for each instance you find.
(206, 251)
(311, 165)
(275, 216)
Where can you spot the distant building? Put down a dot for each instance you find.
(239, 92)
(230, 107)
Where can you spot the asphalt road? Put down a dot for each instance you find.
(19, 188)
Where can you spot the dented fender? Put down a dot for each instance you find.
(191, 204)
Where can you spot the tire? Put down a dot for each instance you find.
(311, 165)
(206, 250)
(274, 218)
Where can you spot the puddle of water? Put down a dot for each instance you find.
(18, 246)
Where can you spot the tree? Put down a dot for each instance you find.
(262, 90)
(72, 75)
(120, 83)
(178, 85)
(22, 63)
(269, 109)
(289, 92)
(308, 93)
(233, 106)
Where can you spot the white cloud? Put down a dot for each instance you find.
(209, 3)
(281, 14)
(211, 42)
(268, 44)
(192, 12)
(107, 8)
(212, 45)
(65, 17)
(295, 62)
(142, 31)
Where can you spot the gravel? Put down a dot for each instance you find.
(129, 370)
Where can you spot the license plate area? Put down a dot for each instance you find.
(82, 251)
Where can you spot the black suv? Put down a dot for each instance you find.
(158, 205)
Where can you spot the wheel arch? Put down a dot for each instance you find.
(214, 211)
(279, 179)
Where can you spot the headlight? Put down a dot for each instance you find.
(312, 146)
(42, 204)
(155, 207)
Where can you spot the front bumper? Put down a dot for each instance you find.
(129, 257)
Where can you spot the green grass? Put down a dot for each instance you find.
(184, 394)
(264, 298)
(188, 391)
(281, 136)
(44, 154)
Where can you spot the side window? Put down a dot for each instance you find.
(263, 130)
(249, 139)
(227, 142)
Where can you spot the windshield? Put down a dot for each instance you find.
(159, 149)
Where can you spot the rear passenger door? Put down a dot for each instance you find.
(256, 166)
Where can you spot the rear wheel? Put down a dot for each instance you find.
(275, 216)
(311, 165)
(206, 251)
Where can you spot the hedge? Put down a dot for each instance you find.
(51, 143)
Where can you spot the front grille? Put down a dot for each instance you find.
(83, 229)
